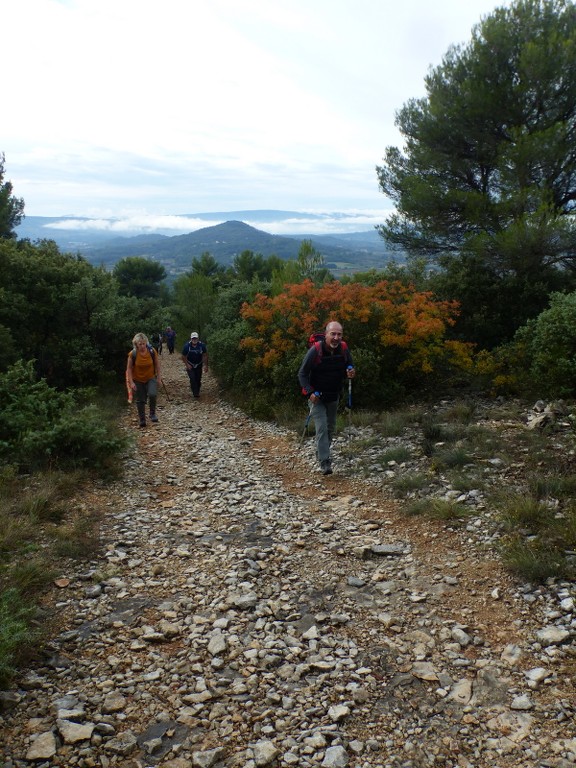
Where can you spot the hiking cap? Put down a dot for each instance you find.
(194, 335)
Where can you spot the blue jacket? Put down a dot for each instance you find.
(194, 354)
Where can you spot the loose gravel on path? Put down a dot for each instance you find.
(247, 611)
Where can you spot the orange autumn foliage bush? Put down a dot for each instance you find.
(392, 327)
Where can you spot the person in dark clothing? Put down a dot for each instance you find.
(156, 341)
(323, 371)
(195, 358)
(170, 336)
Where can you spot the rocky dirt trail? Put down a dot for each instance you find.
(247, 611)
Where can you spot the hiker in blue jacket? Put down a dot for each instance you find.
(195, 358)
(324, 369)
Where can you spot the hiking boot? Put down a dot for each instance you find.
(153, 418)
(326, 468)
(142, 423)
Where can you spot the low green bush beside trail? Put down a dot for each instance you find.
(51, 443)
(41, 427)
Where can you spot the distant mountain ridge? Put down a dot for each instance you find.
(343, 252)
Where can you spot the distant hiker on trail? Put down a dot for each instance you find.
(170, 336)
(143, 376)
(322, 373)
(195, 358)
(156, 341)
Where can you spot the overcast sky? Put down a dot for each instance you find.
(145, 109)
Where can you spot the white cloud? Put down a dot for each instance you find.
(141, 223)
(312, 222)
(189, 106)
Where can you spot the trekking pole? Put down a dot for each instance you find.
(349, 404)
(305, 427)
(166, 391)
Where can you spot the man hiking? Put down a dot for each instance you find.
(195, 358)
(322, 373)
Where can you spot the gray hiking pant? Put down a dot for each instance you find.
(324, 415)
(145, 390)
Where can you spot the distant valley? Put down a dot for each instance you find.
(345, 252)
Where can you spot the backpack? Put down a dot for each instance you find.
(316, 339)
(199, 349)
(153, 353)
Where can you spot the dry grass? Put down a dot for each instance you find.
(41, 529)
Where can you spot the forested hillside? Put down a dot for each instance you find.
(344, 253)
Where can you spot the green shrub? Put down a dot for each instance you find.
(433, 432)
(525, 512)
(534, 561)
(15, 533)
(399, 454)
(450, 458)
(393, 423)
(437, 509)
(461, 412)
(33, 572)
(483, 440)
(553, 486)
(465, 481)
(411, 481)
(76, 539)
(436, 434)
(42, 427)
(548, 342)
(564, 531)
(362, 418)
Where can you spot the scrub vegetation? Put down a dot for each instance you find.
(483, 306)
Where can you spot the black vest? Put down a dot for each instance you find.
(328, 373)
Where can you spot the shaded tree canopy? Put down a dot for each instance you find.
(139, 277)
(309, 265)
(207, 265)
(488, 169)
(63, 313)
(249, 266)
(11, 208)
(193, 301)
(490, 153)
